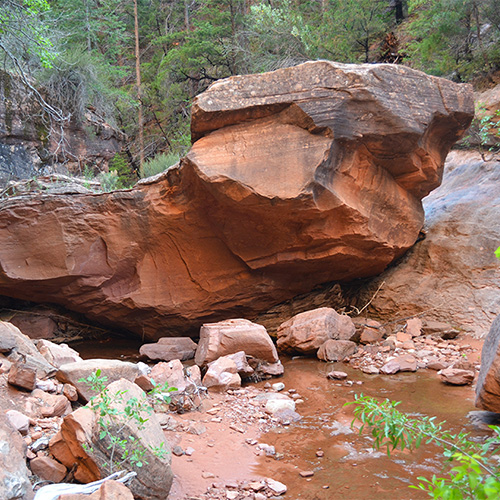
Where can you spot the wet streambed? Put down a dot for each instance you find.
(350, 468)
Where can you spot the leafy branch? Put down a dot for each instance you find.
(115, 414)
(476, 474)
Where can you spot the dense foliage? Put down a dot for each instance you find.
(82, 52)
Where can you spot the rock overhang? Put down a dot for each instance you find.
(296, 177)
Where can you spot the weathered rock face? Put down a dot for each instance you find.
(488, 381)
(297, 177)
(26, 145)
(452, 275)
(14, 479)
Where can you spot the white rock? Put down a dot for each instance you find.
(276, 487)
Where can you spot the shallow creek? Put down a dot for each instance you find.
(350, 468)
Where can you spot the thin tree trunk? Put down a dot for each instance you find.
(87, 22)
(139, 93)
(399, 11)
(186, 15)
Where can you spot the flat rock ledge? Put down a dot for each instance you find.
(296, 177)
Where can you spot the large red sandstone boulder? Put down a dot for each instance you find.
(297, 177)
(80, 439)
(306, 332)
(232, 336)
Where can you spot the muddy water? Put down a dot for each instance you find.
(350, 468)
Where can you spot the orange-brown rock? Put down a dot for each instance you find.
(80, 432)
(450, 278)
(49, 469)
(232, 336)
(488, 381)
(306, 332)
(110, 490)
(297, 177)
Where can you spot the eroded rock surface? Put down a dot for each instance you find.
(297, 177)
(488, 382)
(306, 332)
(452, 275)
(80, 433)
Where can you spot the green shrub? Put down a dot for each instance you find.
(159, 163)
(125, 177)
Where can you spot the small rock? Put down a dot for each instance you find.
(177, 451)
(19, 421)
(436, 364)
(454, 376)
(320, 453)
(279, 386)
(276, 487)
(306, 473)
(403, 337)
(336, 375)
(40, 444)
(46, 385)
(390, 367)
(256, 486)
(232, 495)
(407, 363)
(370, 370)
(275, 405)
(189, 451)
(207, 475)
(196, 428)
(238, 428)
(22, 375)
(414, 327)
(268, 449)
(49, 469)
(70, 392)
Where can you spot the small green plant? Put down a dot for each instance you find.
(473, 468)
(120, 168)
(115, 413)
(484, 132)
(159, 164)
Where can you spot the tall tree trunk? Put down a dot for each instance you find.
(87, 22)
(399, 11)
(186, 15)
(139, 93)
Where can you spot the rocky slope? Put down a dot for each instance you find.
(28, 146)
(297, 177)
